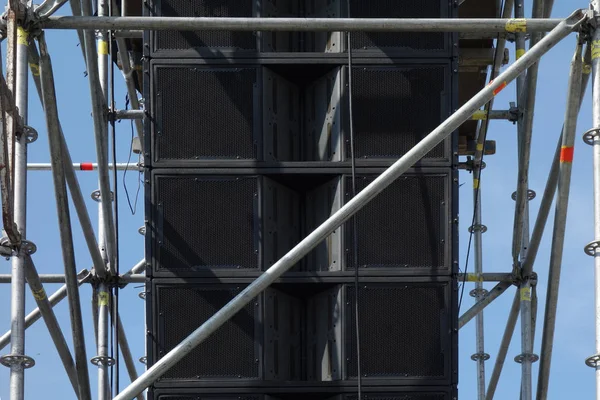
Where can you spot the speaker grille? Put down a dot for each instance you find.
(400, 331)
(207, 397)
(396, 107)
(205, 222)
(204, 113)
(403, 227)
(397, 9)
(231, 352)
(170, 40)
(400, 396)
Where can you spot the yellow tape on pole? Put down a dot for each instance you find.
(102, 47)
(479, 115)
(525, 294)
(595, 49)
(35, 69)
(22, 36)
(103, 299)
(474, 278)
(520, 53)
(516, 25)
(39, 294)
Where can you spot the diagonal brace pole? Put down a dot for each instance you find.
(64, 220)
(560, 220)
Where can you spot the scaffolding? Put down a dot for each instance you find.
(24, 28)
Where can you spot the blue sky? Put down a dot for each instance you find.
(574, 338)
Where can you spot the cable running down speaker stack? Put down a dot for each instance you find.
(247, 151)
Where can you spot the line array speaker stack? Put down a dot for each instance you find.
(247, 151)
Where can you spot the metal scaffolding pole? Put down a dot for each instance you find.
(470, 25)
(102, 47)
(17, 360)
(83, 277)
(99, 114)
(479, 293)
(102, 360)
(85, 167)
(344, 213)
(592, 137)
(551, 183)
(72, 182)
(41, 299)
(64, 220)
(560, 220)
(504, 345)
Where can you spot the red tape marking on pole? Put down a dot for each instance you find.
(566, 154)
(499, 88)
(86, 166)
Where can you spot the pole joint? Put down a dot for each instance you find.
(104, 361)
(593, 361)
(11, 360)
(531, 357)
(7, 248)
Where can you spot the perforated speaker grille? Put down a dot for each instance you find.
(400, 396)
(397, 9)
(231, 352)
(205, 222)
(170, 40)
(403, 227)
(400, 331)
(395, 107)
(204, 113)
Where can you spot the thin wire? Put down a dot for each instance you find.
(134, 207)
(354, 222)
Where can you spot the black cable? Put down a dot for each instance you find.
(472, 230)
(354, 222)
(133, 208)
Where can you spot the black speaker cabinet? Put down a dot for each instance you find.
(219, 44)
(235, 223)
(249, 115)
(303, 331)
(400, 393)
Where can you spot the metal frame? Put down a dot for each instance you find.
(14, 142)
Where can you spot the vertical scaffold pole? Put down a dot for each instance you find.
(560, 219)
(479, 292)
(17, 360)
(592, 137)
